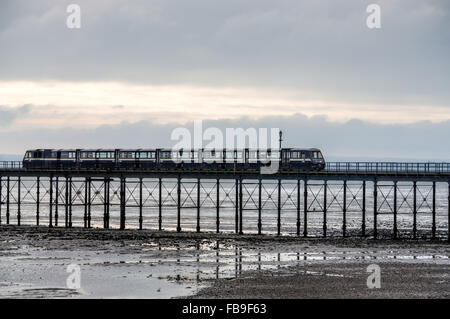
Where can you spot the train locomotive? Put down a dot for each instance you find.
(167, 159)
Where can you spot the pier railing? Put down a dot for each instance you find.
(388, 167)
(332, 167)
(10, 164)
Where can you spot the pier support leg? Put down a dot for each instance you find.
(375, 208)
(236, 222)
(89, 202)
(305, 209)
(86, 202)
(105, 201)
(140, 203)
(259, 206)
(218, 206)
(50, 215)
(19, 200)
(344, 211)
(298, 207)
(240, 207)
(433, 227)
(325, 190)
(160, 204)
(415, 210)
(8, 198)
(123, 185)
(66, 204)
(363, 226)
(1, 200)
(395, 210)
(279, 209)
(179, 204)
(198, 204)
(56, 201)
(38, 200)
(70, 202)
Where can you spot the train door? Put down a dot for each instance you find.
(246, 158)
(116, 158)
(77, 158)
(285, 158)
(58, 159)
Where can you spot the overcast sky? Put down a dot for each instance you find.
(136, 70)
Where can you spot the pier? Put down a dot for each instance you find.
(347, 199)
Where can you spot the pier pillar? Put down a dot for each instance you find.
(279, 209)
(179, 204)
(433, 227)
(259, 206)
(375, 208)
(236, 222)
(123, 201)
(38, 200)
(66, 204)
(325, 190)
(363, 226)
(8, 195)
(140, 203)
(86, 202)
(448, 213)
(198, 204)
(19, 197)
(56, 200)
(395, 210)
(240, 206)
(298, 207)
(105, 203)
(415, 210)
(1, 199)
(70, 202)
(344, 211)
(89, 202)
(50, 215)
(305, 209)
(160, 204)
(218, 205)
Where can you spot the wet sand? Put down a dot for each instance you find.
(146, 264)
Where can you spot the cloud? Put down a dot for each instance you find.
(322, 47)
(9, 115)
(354, 139)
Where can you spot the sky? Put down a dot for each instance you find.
(136, 70)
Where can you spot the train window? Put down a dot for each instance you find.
(194, 154)
(320, 155)
(229, 155)
(151, 155)
(239, 154)
(143, 155)
(185, 155)
(165, 155)
(103, 155)
(64, 154)
(316, 154)
(275, 155)
(253, 155)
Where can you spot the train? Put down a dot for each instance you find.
(194, 159)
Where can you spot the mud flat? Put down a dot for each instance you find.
(146, 264)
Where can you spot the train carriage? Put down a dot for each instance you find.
(166, 159)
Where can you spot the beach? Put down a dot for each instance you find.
(35, 262)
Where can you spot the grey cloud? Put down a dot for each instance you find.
(315, 46)
(8, 115)
(351, 140)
